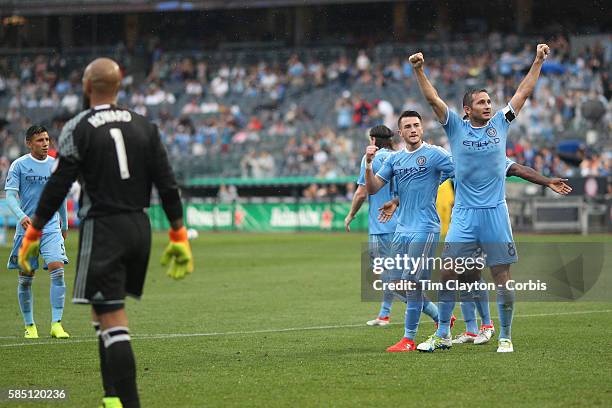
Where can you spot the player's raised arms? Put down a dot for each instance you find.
(528, 83)
(427, 89)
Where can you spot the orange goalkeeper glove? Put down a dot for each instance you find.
(178, 254)
(30, 247)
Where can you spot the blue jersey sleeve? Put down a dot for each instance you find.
(361, 179)
(395, 190)
(386, 171)
(453, 123)
(445, 163)
(446, 175)
(504, 117)
(13, 203)
(509, 163)
(63, 213)
(13, 176)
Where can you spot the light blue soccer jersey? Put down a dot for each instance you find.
(375, 201)
(28, 177)
(446, 176)
(479, 154)
(417, 176)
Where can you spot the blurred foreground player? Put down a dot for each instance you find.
(117, 156)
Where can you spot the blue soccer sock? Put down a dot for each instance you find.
(26, 301)
(385, 306)
(446, 305)
(414, 307)
(481, 298)
(468, 310)
(57, 294)
(430, 309)
(505, 307)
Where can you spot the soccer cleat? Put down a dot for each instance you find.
(31, 332)
(405, 344)
(111, 402)
(58, 331)
(465, 337)
(485, 334)
(379, 321)
(505, 346)
(434, 343)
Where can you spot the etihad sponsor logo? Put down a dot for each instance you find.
(408, 171)
(482, 143)
(37, 179)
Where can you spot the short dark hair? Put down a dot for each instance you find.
(408, 114)
(468, 97)
(381, 131)
(34, 130)
(383, 136)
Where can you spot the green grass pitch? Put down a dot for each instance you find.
(277, 320)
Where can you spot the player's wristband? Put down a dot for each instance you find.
(179, 235)
(33, 234)
(368, 165)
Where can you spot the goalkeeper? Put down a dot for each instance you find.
(117, 156)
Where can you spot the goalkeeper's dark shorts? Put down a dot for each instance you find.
(113, 257)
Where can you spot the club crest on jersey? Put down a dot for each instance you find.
(491, 132)
(421, 160)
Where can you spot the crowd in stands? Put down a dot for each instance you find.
(309, 116)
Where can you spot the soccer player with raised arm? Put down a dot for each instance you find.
(480, 215)
(380, 235)
(118, 156)
(416, 170)
(25, 181)
(478, 300)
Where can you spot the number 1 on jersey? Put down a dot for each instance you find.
(117, 136)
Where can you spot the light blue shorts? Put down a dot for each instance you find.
(380, 244)
(419, 247)
(51, 249)
(485, 228)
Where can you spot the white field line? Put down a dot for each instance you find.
(89, 339)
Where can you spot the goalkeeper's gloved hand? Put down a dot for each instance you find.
(30, 246)
(178, 254)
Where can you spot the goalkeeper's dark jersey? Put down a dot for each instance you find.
(116, 155)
